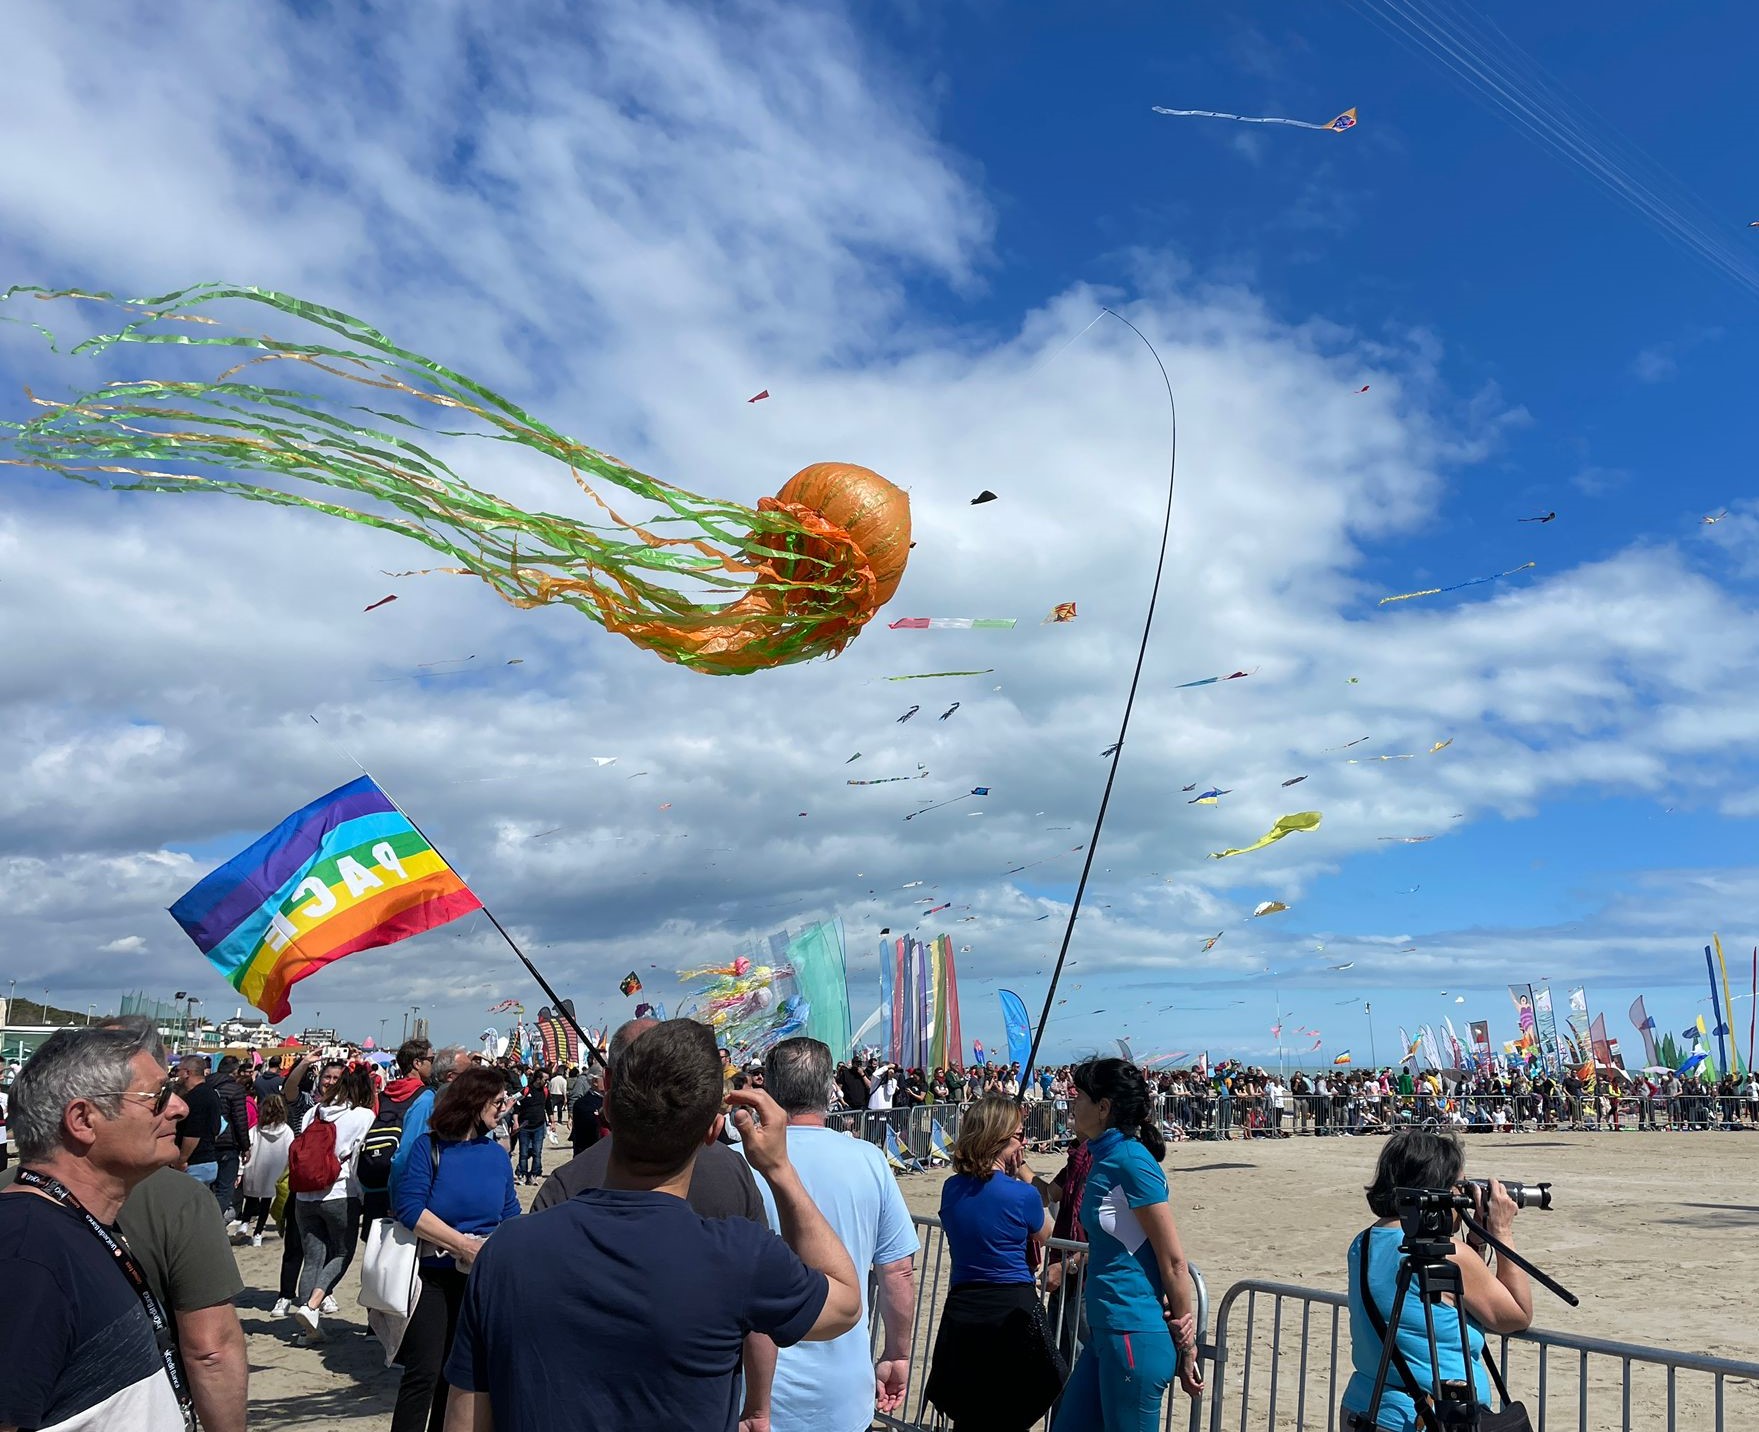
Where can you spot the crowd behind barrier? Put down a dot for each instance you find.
(926, 1130)
(1278, 1356)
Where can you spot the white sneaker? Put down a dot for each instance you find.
(256, 1240)
(307, 1318)
(283, 1306)
(329, 1306)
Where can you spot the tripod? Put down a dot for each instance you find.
(1426, 1216)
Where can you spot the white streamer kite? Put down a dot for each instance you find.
(1346, 120)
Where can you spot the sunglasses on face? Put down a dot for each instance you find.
(161, 1096)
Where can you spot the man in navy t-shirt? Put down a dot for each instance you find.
(622, 1308)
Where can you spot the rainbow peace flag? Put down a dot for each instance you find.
(346, 873)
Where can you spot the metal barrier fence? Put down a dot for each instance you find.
(1286, 1369)
(1063, 1313)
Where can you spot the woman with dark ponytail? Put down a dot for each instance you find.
(1140, 1302)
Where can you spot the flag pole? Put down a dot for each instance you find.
(556, 1001)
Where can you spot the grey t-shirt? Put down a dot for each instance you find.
(721, 1184)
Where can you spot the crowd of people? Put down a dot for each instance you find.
(712, 1240)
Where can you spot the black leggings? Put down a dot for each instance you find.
(257, 1208)
(421, 1396)
(292, 1250)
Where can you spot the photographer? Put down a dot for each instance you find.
(1497, 1301)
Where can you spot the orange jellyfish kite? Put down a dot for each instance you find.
(794, 578)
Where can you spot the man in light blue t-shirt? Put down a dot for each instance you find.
(833, 1386)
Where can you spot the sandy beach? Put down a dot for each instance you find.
(1654, 1232)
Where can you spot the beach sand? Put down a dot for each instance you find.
(1654, 1232)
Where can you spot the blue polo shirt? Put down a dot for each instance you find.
(624, 1308)
(1123, 1278)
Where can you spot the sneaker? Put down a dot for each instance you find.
(256, 1240)
(329, 1306)
(307, 1318)
(283, 1306)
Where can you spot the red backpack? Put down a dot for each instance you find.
(312, 1165)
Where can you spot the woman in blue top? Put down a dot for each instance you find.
(456, 1187)
(1501, 1301)
(993, 1322)
(1140, 1302)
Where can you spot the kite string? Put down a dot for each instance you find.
(1129, 701)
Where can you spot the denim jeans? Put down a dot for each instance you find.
(225, 1180)
(531, 1153)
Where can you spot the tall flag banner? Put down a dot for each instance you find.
(1343, 1058)
(558, 1042)
(1522, 995)
(349, 872)
(1599, 1043)
(977, 1054)
(1716, 1010)
(891, 952)
(1019, 1026)
(1124, 1051)
(1456, 1051)
(1728, 1005)
(1482, 1054)
(1431, 1051)
(1645, 1025)
(1546, 1022)
(948, 1038)
(818, 956)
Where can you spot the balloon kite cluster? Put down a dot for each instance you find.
(746, 1006)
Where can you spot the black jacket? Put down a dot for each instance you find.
(235, 1132)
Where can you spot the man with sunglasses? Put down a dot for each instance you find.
(84, 1340)
(172, 1226)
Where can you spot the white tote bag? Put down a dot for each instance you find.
(390, 1282)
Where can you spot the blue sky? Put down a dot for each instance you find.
(896, 218)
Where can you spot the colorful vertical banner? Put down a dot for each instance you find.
(349, 872)
(1720, 1029)
(1546, 1023)
(1522, 995)
(948, 1037)
(1645, 1026)
(1728, 1014)
(1019, 1026)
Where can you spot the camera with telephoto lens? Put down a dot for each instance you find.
(1525, 1195)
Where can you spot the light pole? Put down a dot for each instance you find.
(382, 1024)
(405, 1024)
(1373, 1059)
(45, 1005)
(89, 1009)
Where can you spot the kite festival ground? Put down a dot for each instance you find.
(1658, 1234)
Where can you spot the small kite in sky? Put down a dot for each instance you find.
(1366, 760)
(1269, 907)
(1548, 517)
(1441, 745)
(1061, 612)
(952, 624)
(853, 759)
(604, 760)
(1347, 965)
(1713, 518)
(949, 711)
(887, 780)
(1292, 781)
(1209, 797)
(1363, 389)
(1112, 750)
(1459, 999)
(1346, 120)
(927, 675)
(758, 398)
(902, 719)
(1405, 839)
(1286, 825)
(1189, 788)
(885, 929)
(1211, 680)
(381, 602)
(1457, 586)
(516, 661)
(665, 805)
(1347, 744)
(630, 984)
(985, 496)
(1209, 944)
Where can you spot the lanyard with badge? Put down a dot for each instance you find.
(137, 1280)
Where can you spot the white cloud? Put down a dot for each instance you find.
(632, 225)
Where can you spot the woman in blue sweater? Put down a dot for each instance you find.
(455, 1189)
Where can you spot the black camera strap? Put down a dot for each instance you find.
(1419, 1398)
(163, 1333)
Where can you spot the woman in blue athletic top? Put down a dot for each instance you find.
(1501, 1301)
(1140, 1302)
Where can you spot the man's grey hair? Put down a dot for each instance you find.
(797, 1075)
(447, 1061)
(139, 1024)
(194, 1061)
(94, 1063)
